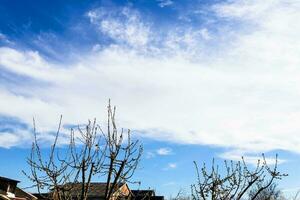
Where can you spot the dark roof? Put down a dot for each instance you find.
(23, 194)
(145, 195)
(8, 179)
(95, 190)
(157, 198)
(43, 196)
(143, 192)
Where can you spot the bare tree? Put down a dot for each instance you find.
(91, 153)
(238, 180)
(270, 193)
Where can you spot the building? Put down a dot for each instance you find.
(145, 195)
(97, 192)
(10, 191)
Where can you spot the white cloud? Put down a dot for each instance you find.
(244, 95)
(251, 10)
(164, 3)
(205, 34)
(170, 166)
(164, 151)
(8, 140)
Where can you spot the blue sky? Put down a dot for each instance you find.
(193, 79)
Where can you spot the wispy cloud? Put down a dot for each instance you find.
(236, 85)
(250, 158)
(13, 132)
(150, 154)
(123, 25)
(4, 39)
(164, 3)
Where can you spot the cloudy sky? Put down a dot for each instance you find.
(192, 79)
